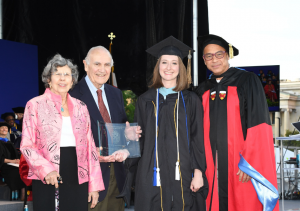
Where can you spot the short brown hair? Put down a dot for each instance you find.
(182, 82)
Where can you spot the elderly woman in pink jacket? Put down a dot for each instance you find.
(57, 141)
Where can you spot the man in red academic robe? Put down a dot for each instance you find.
(238, 135)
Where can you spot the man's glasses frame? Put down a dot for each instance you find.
(220, 56)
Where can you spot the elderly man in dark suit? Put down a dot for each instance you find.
(105, 104)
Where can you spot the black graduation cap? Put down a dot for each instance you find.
(5, 115)
(169, 46)
(214, 39)
(4, 124)
(19, 110)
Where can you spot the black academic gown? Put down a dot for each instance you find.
(10, 173)
(172, 193)
(235, 121)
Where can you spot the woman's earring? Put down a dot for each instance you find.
(50, 86)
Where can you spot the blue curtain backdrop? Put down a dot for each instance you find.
(18, 73)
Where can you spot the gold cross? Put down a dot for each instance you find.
(111, 36)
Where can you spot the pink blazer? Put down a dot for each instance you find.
(41, 134)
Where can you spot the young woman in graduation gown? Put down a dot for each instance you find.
(170, 173)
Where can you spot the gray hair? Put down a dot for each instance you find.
(87, 58)
(59, 61)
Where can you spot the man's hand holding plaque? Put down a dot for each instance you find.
(132, 132)
(121, 155)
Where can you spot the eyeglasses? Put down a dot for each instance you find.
(218, 55)
(59, 75)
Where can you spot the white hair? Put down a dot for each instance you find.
(87, 58)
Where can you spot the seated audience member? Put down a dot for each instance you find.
(260, 73)
(15, 134)
(270, 74)
(270, 91)
(264, 81)
(19, 113)
(9, 154)
(9, 118)
(262, 76)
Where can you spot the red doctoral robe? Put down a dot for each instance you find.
(236, 120)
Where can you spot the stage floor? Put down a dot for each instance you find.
(14, 205)
(18, 205)
(290, 205)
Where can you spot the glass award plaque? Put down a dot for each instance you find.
(116, 136)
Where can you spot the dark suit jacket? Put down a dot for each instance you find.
(116, 107)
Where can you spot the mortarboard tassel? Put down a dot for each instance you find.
(188, 69)
(230, 51)
(177, 177)
(157, 177)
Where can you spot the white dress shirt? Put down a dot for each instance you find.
(93, 90)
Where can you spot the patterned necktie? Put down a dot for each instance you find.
(106, 119)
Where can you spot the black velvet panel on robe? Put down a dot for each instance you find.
(218, 139)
